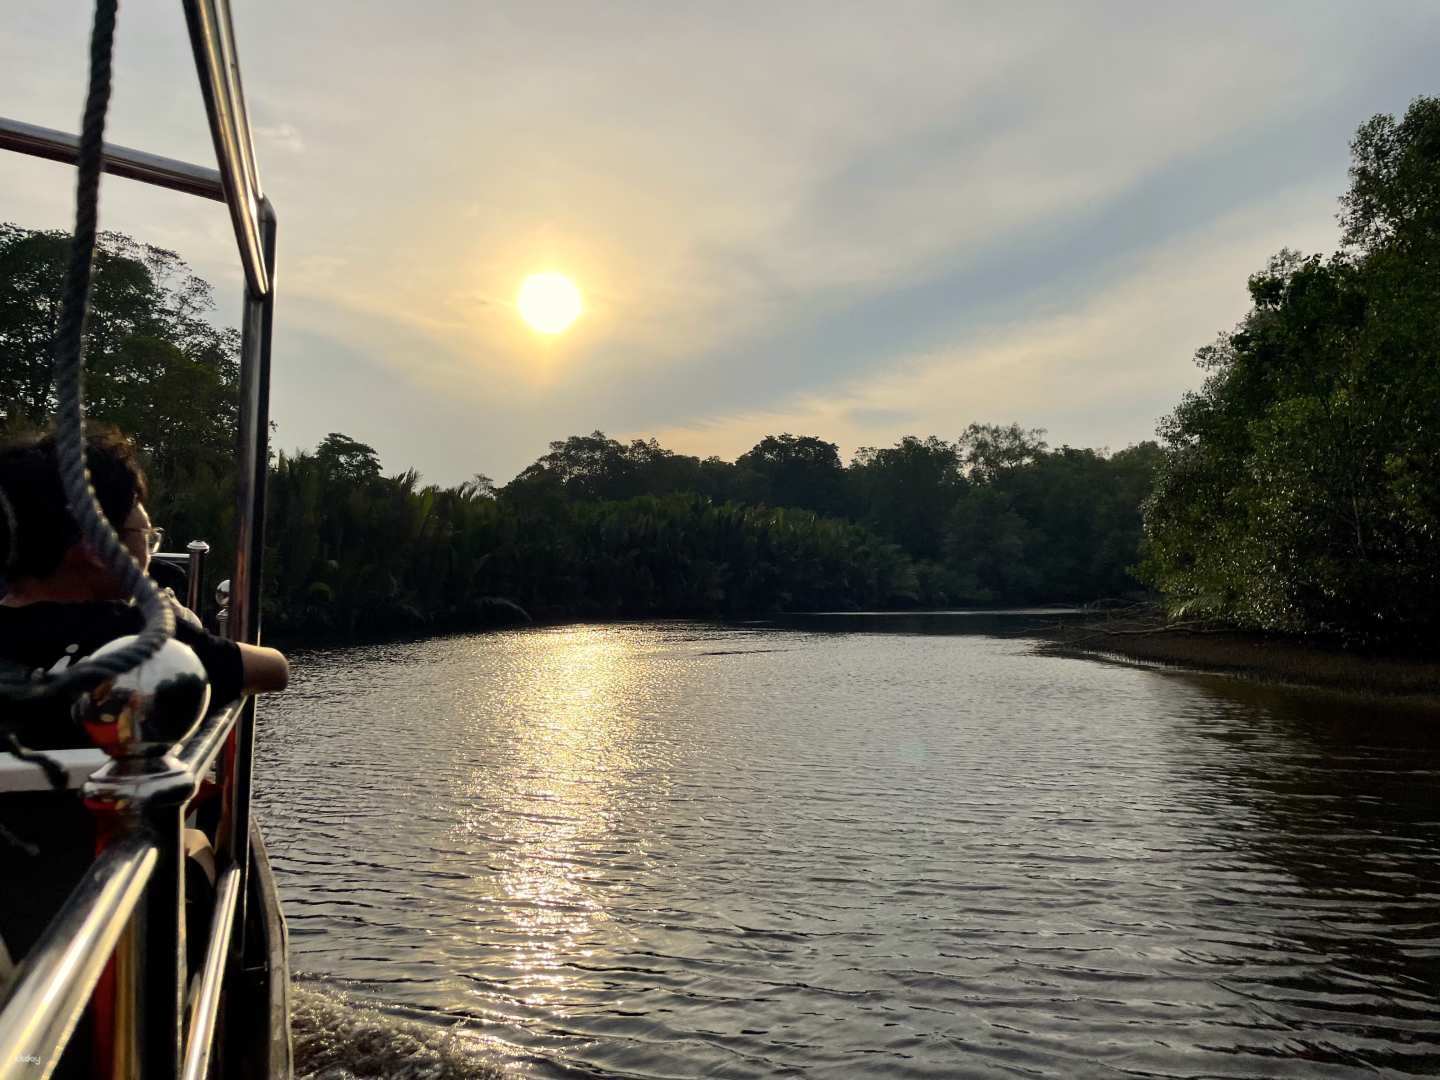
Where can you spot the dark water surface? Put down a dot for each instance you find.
(855, 847)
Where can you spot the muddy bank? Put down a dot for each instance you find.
(1320, 664)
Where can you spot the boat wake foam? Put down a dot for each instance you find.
(339, 1036)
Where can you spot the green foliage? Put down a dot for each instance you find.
(907, 491)
(595, 466)
(1046, 526)
(343, 458)
(569, 537)
(155, 366)
(987, 450)
(388, 554)
(791, 470)
(1301, 485)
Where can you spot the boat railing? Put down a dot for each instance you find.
(192, 559)
(129, 907)
(60, 974)
(43, 142)
(117, 944)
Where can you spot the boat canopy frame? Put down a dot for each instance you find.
(109, 941)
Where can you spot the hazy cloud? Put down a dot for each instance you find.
(284, 137)
(829, 216)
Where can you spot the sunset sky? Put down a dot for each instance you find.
(853, 220)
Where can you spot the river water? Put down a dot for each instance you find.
(850, 846)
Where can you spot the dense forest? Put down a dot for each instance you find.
(599, 527)
(1298, 490)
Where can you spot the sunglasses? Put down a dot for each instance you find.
(154, 537)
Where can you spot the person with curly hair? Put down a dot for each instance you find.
(61, 601)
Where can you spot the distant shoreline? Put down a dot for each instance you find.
(1257, 657)
(1120, 638)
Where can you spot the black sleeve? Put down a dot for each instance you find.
(221, 658)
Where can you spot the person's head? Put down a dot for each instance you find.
(42, 543)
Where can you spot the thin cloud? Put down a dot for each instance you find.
(284, 137)
(781, 216)
(1108, 367)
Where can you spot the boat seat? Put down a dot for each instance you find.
(18, 776)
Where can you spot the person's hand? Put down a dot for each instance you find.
(182, 613)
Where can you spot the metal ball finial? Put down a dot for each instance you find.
(147, 710)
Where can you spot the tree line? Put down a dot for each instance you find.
(598, 527)
(1298, 490)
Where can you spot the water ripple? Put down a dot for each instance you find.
(681, 850)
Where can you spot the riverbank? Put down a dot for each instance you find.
(1124, 634)
(1293, 661)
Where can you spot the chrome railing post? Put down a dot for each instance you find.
(253, 448)
(245, 582)
(205, 1012)
(212, 41)
(139, 718)
(147, 797)
(195, 573)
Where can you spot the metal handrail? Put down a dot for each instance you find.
(236, 183)
(212, 40)
(56, 979)
(199, 752)
(145, 813)
(244, 135)
(207, 1002)
(43, 142)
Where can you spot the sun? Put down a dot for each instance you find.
(549, 302)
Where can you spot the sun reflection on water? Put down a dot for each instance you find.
(548, 813)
